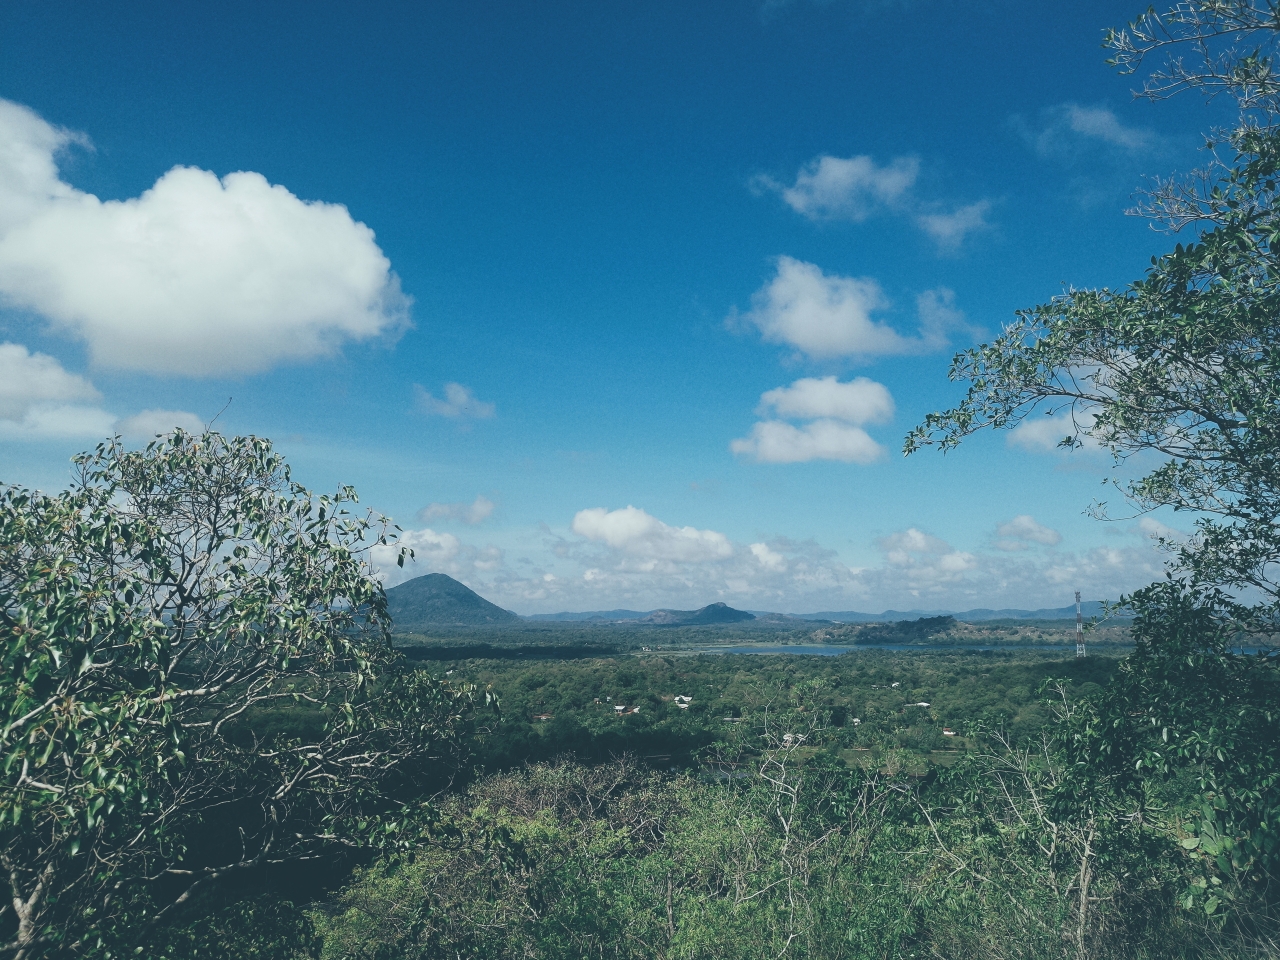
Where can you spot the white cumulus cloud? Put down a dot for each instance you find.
(36, 380)
(899, 547)
(59, 422)
(861, 400)
(200, 275)
(458, 403)
(430, 548)
(637, 534)
(40, 400)
(769, 559)
(29, 179)
(1023, 530)
(825, 316)
(628, 558)
(835, 411)
(435, 552)
(776, 441)
(472, 514)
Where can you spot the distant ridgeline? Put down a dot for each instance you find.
(710, 614)
(437, 612)
(437, 600)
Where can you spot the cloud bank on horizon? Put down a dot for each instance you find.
(628, 557)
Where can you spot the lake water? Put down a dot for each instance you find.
(834, 650)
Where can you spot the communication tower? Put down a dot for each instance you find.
(1079, 629)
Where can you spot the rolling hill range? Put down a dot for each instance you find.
(437, 600)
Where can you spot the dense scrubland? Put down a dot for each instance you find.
(215, 746)
(802, 805)
(678, 710)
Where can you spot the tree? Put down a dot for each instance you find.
(198, 682)
(1189, 703)
(1183, 363)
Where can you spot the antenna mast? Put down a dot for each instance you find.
(1079, 629)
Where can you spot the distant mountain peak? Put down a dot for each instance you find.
(438, 600)
(718, 612)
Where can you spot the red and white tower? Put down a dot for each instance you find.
(1079, 629)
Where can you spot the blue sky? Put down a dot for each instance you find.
(607, 305)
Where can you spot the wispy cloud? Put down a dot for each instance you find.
(845, 188)
(856, 188)
(949, 230)
(1022, 531)
(151, 423)
(1046, 433)
(472, 514)
(458, 403)
(1070, 128)
(1152, 528)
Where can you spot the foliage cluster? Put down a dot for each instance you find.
(159, 619)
